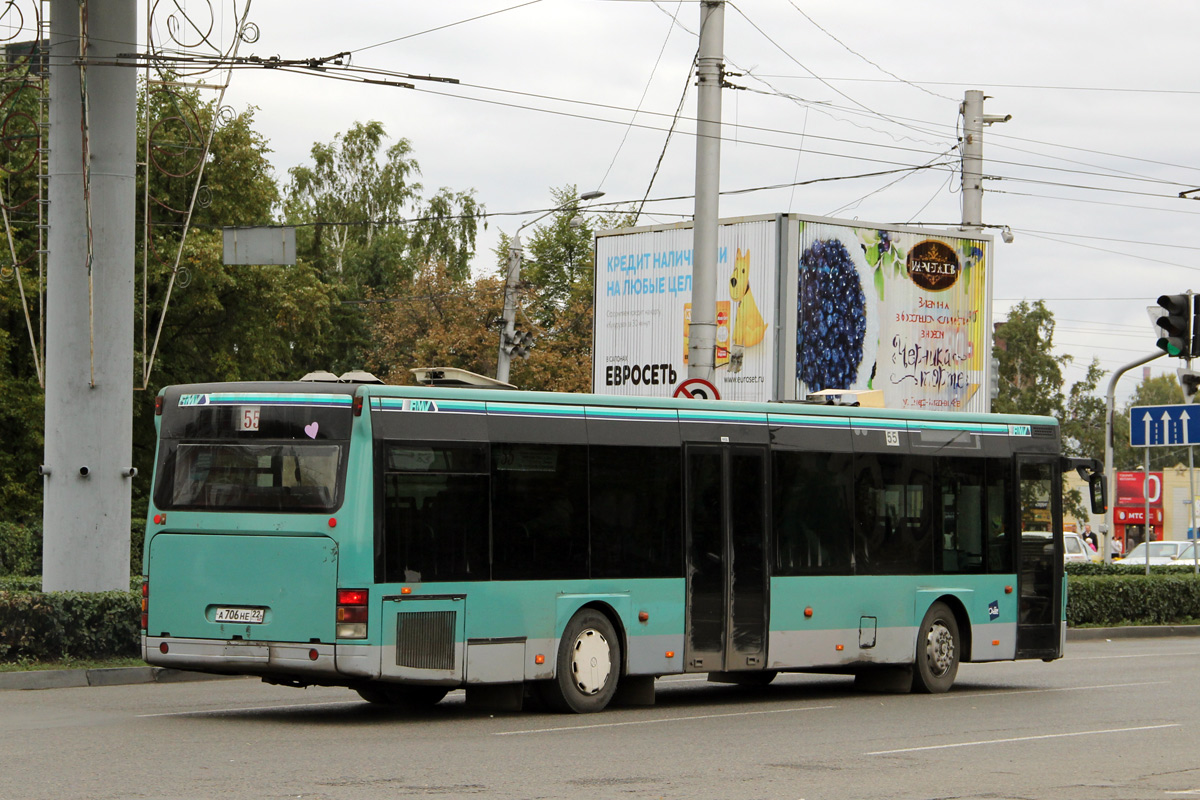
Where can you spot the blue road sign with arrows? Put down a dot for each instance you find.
(1163, 426)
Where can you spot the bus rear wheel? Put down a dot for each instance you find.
(938, 646)
(588, 665)
(413, 698)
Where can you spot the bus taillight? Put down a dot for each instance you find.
(352, 613)
(145, 603)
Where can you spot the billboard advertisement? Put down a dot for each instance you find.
(901, 310)
(803, 304)
(1131, 489)
(644, 303)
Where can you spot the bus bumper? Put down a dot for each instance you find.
(237, 657)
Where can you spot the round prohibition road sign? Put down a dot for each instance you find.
(697, 389)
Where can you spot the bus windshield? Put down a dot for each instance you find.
(283, 476)
(268, 452)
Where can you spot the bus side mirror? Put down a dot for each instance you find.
(1098, 489)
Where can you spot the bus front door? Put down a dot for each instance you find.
(726, 625)
(1040, 561)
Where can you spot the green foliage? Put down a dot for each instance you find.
(351, 203)
(22, 417)
(438, 321)
(50, 626)
(20, 549)
(21, 408)
(1111, 599)
(20, 583)
(1030, 375)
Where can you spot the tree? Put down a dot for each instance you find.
(1030, 376)
(21, 416)
(352, 203)
(437, 322)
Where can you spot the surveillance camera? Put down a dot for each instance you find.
(84, 472)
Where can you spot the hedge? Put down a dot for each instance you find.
(1156, 599)
(52, 626)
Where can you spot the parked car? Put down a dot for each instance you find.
(1160, 553)
(1075, 549)
(1187, 554)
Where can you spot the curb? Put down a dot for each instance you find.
(117, 676)
(124, 676)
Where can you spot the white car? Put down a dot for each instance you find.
(1160, 553)
(1076, 550)
(1186, 555)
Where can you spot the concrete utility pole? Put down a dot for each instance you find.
(710, 75)
(972, 154)
(509, 315)
(89, 348)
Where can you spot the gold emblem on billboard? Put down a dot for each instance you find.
(933, 265)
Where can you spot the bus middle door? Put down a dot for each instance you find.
(726, 502)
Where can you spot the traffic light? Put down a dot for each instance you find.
(518, 343)
(1176, 325)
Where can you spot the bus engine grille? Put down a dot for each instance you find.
(425, 639)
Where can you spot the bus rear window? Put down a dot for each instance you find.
(265, 476)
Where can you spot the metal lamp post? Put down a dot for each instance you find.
(508, 333)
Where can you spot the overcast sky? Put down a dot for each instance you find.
(1103, 137)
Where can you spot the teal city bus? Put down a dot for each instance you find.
(405, 541)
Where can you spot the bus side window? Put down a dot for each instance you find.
(435, 513)
(812, 517)
(894, 514)
(962, 508)
(636, 514)
(999, 523)
(539, 511)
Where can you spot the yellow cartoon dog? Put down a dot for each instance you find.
(748, 327)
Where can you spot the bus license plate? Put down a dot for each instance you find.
(252, 616)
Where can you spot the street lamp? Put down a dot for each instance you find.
(509, 341)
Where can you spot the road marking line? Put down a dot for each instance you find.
(970, 695)
(661, 719)
(1019, 739)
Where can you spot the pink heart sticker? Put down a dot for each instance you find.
(311, 430)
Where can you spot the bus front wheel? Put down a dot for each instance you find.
(588, 665)
(938, 647)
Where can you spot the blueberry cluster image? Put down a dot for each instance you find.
(831, 319)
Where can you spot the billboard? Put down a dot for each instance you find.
(644, 301)
(905, 311)
(803, 304)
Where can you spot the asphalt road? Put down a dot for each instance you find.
(1114, 719)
